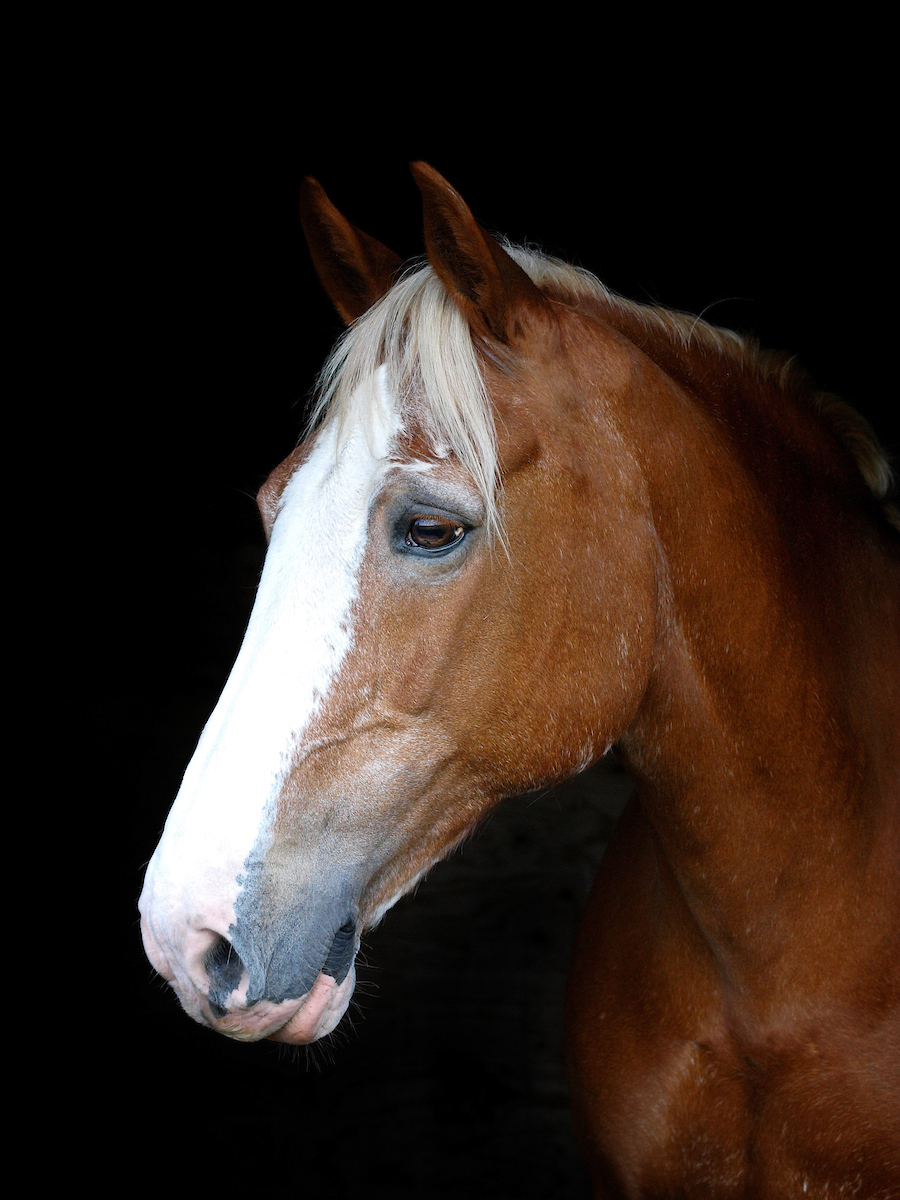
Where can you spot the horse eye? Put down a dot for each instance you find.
(434, 533)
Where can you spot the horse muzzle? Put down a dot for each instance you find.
(289, 979)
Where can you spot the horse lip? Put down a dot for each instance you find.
(319, 1012)
(295, 1022)
(255, 1023)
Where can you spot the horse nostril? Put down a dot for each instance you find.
(340, 956)
(225, 970)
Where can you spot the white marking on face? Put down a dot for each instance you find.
(298, 635)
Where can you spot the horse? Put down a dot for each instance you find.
(531, 521)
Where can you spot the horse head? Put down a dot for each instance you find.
(455, 549)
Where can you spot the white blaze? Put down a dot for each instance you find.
(297, 637)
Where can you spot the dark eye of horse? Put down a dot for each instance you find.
(434, 533)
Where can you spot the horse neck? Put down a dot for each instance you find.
(770, 715)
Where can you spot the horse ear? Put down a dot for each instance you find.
(354, 268)
(496, 296)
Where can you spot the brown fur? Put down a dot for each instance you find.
(697, 572)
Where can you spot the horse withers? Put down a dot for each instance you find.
(532, 521)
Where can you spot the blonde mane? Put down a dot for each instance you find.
(418, 335)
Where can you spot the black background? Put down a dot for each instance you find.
(213, 326)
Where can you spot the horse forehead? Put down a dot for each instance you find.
(338, 449)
